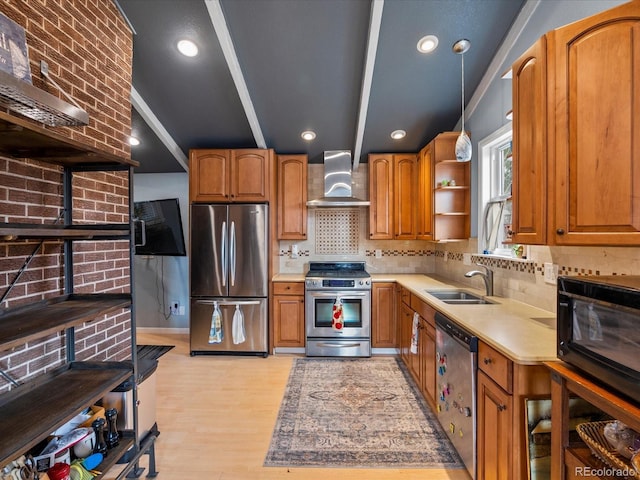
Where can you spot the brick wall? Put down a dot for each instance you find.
(88, 48)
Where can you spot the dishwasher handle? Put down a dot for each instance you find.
(448, 326)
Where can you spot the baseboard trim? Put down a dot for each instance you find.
(161, 330)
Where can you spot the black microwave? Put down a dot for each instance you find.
(599, 329)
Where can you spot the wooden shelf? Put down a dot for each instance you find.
(127, 439)
(39, 319)
(451, 214)
(453, 187)
(14, 231)
(32, 411)
(21, 138)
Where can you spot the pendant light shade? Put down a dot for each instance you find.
(463, 143)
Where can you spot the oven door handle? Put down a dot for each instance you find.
(339, 345)
(338, 294)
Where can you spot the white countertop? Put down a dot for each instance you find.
(525, 334)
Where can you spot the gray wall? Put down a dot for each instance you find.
(159, 279)
(489, 115)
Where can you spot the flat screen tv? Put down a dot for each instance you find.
(158, 228)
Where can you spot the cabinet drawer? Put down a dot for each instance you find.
(496, 366)
(288, 288)
(405, 295)
(424, 310)
(431, 330)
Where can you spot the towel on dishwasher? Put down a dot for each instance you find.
(337, 315)
(414, 333)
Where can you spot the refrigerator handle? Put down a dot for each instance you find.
(223, 242)
(232, 250)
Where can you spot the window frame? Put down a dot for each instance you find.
(488, 177)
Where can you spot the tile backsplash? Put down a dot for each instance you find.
(332, 236)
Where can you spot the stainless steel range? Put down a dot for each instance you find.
(327, 286)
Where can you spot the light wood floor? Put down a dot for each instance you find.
(216, 415)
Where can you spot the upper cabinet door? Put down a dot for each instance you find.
(209, 175)
(381, 197)
(292, 197)
(529, 187)
(424, 206)
(405, 185)
(597, 128)
(250, 175)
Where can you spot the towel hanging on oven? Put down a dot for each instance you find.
(337, 315)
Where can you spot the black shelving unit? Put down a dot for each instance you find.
(31, 411)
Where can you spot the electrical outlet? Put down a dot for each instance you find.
(550, 273)
(446, 256)
(174, 307)
(466, 258)
(181, 310)
(378, 253)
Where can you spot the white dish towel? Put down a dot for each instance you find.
(414, 333)
(237, 326)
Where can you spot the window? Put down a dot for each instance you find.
(495, 178)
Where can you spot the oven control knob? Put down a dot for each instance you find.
(361, 282)
(367, 282)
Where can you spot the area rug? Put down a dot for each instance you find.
(356, 413)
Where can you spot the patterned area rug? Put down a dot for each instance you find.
(356, 413)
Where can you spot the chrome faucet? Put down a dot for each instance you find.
(487, 276)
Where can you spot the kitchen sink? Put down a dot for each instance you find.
(459, 297)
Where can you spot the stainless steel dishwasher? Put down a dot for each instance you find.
(456, 364)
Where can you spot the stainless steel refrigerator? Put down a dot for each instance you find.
(229, 267)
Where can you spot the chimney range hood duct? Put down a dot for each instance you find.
(337, 182)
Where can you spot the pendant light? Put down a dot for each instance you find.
(463, 143)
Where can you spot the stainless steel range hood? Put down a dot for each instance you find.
(337, 182)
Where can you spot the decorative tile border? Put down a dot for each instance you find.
(401, 253)
(502, 263)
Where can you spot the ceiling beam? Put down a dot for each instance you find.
(369, 64)
(493, 70)
(147, 114)
(224, 37)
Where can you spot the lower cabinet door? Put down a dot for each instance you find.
(495, 410)
(288, 326)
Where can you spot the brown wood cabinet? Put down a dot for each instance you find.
(230, 175)
(451, 200)
(292, 197)
(383, 315)
(288, 314)
(424, 206)
(503, 387)
(411, 360)
(587, 115)
(392, 192)
(569, 382)
(530, 183)
(426, 348)
(381, 197)
(404, 197)
(495, 428)
(422, 364)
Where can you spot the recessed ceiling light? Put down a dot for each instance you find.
(427, 44)
(398, 134)
(187, 48)
(133, 141)
(308, 135)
